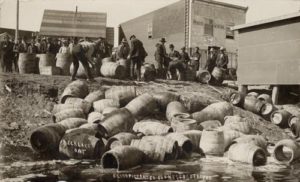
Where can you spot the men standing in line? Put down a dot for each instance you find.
(161, 58)
(7, 54)
(222, 59)
(211, 61)
(78, 55)
(137, 55)
(196, 59)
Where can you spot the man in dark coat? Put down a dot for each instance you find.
(7, 54)
(123, 50)
(195, 61)
(161, 61)
(211, 61)
(137, 55)
(222, 59)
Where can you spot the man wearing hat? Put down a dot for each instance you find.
(137, 56)
(123, 50)
(222, 59)
(7, 54)
(161, 58)
(173, 54)
(211, 61)
(195, 61)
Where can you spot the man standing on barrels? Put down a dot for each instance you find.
(77, 52)
(211, 61)
(7, 54)
(161, 58)
(222, 59)
(137, 55)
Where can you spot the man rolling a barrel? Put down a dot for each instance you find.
(78, 54)
(137, 55)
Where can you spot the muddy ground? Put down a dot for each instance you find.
(26, 102)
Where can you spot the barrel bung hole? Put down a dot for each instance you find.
(283, 153)
(110, 161)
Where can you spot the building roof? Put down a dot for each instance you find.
(71, 24)
(266, 21)
(225, 4)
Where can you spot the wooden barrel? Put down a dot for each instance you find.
(215, 111)
(118, 121)
(184, 143)
(218, 75)
(49, 70)
(252, 104)
(112, 70)
(190, 74)
(247, 153)
(265, 98)
(60, 107)
(157, 148)
(281, 118)
(203, 76)
(123, 94)
(45, 139)
(286, 151)
(71, 123)
(164, 98)
(253, 94)
(106, 111)
(46, 60)
(236, 98)
(192, 102)
(267, 110)
(106, 60)
(122, 157)
(100, 105)
(174, 108)
(64, 61)
(257, 140)
(95, 96)
(77, 88)
(126, 64)
(195, 137)
(28, 63)
(142, 106)
(81, 73)
(120, 139)
(230, 136)
(148, 72)
(237, 123)
(80, 143)
(184, 124)
(85, 106)
(294, 123)
(95, 117)
(68, 113)
(210, 124)
(151, 128)
(212, 142)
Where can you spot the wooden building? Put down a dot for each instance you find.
(269, 52)
(188, 23)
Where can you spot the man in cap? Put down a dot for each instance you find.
(161, 58)
(137, 56)
(222, 59)
(173, 54)
(195, 61)
(7, 54)
(123, 50)
(211, 61)
(184, 56)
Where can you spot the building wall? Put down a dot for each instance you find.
(269, 53)
(110, 35)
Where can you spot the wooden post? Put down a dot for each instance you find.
(17, 23)
(275, 94)
(243, 89)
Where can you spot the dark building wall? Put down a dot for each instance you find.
(110, 35)
(269, 53)
(22, 33)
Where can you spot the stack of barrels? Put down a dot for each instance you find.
(120, 128)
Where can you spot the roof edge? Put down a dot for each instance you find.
(245, 8)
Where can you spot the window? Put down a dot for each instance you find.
(150, 31)
(229, 32)
(208, 27)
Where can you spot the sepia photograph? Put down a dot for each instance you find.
(149, 90)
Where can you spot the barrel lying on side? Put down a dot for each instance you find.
(85, 106)
(252, 104)
(237, 123)
(203, 76)
(281, 118)
(286, 156)
(164, 98)
(95, 96)
(100, 105)
(174, 108)
(76, 88)
(152, 128)
(123, 94)
(112, 70)
(184, 143)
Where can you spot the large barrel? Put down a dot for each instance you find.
(81, 73)
(247, 153)
(152, 128)
(215, 111)
(212, 142)
(71, 123)
(252, 104)
(287, 151)
(64, 61)
(148, 72)
(184, 143)
(281, 118)
(203, 76)
(294, 123)
(218, 75)
(28, 63)
(157, 148)
(122, 157)
(76, 88)
(50, 70)
(95, 117)
(195, 137)
(68, 113)
(120, 139)
(230, 136)
(46, 60)
(118, 121)
(80, 143)
(210, 124)
(112, 70)
(100, 105)
(142, 106)
(85, 106)
(185, 124)
(237, 123)
(46, 139)
(164, 98)
(95, 96)
(123, 94)
(174, 108)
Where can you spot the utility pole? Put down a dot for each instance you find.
(17, 23)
